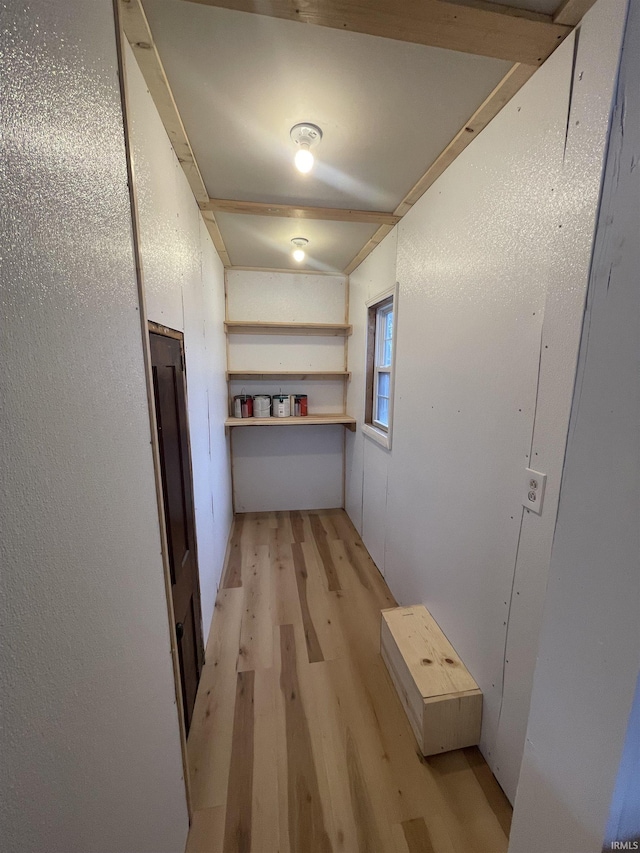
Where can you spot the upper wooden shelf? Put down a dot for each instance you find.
(243, 327)
(292, 375)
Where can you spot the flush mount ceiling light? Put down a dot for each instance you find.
(298, 252)
(305, 136)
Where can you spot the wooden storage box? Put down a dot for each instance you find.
(442, 701)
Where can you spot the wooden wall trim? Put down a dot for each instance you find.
(136, 28)
(151, 405)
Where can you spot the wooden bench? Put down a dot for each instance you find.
(441, 699)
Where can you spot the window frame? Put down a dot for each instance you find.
(377, 308)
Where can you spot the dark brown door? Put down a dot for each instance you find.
(171, 411)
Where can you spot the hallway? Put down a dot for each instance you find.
(298, 742)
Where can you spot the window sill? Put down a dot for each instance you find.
(377, 435)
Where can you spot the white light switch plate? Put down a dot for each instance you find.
(535, 483)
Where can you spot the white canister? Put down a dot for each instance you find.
(261, 406)
(281, 406)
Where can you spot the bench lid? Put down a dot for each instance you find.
(431, 659)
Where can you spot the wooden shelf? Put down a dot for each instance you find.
(308, 420)
(242, 327)
(293, 375)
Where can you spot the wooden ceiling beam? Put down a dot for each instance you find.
(292, 211)
(481, 28)
(571, 12)
(136, 29)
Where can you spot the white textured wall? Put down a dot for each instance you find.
(572, 217)
(367, 461)
(492, 264)
(590, 639)
(280, 468)
(90, 741)
(184, 287)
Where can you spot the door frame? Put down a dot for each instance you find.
(176, 335)
(166, 569)
(151, 404)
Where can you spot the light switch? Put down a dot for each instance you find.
(535, 483)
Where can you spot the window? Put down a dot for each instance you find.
(382, 364)
(380, 355)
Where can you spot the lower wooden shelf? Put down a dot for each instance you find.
(307, 420)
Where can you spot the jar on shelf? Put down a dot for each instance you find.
(243, 406)
(281, 406)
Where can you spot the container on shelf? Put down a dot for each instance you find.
(281, 406)
(243, 406)
(299, 406)
(261, 406)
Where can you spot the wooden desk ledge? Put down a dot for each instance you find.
(441, 699)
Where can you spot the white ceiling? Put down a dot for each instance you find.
(387, 110)
(265, 241)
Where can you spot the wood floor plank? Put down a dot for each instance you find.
(327, 519)
(314, 650)
(282, 766)
(459, 786)
(353, 751)
(320, 602)
(306, 820)
(332, 729)
(362, 559)
(369, 838)
(206, 834)
(285, 606)
(238, 818)
(349, 715)
(352, 556)
(343, 526)
(257, 528)
(285, 532)
(363, 625)
(210, 737)
(256, 631)
(297, 526)
(417, 836)
(495, 796)
(322, 544)
(265, 830)
(232, 575)
(307, 677)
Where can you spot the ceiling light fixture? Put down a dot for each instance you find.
(305, 136)
(298, 252)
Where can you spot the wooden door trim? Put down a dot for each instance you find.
(165, 331)
(151, 405)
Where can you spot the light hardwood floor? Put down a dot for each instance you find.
(299, 743)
